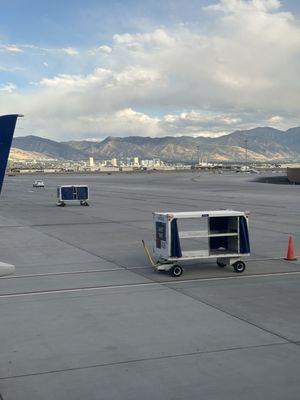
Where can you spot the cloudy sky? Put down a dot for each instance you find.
(88, 69)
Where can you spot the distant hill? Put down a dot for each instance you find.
(18, 154)
(264, 144)
(49, 147)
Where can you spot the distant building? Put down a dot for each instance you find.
(91, 162)
(136, 161)
(155, 162)
(126, 168)
(109, 169)
(114, 162)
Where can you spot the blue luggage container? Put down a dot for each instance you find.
(72, 193)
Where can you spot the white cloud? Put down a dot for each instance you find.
(10, 48)
(243, 72)
(8, 87)
(237, 6)
(100, 77)
(11, 69)
(70, 51)
(130, 122)
(276, 119)
(194, 122)
(134, 46)
(125, 122)
(21, 48)
(104, 50)
(157, 38)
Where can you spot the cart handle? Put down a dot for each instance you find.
(149, 255)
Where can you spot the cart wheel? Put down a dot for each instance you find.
(86, 204)
(176, 271)
(239, 266)
(63, 204)
(220, 264)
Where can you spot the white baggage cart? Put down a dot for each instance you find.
(186, 236)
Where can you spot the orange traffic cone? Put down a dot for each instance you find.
(290, 256)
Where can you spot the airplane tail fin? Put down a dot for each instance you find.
(7, 128)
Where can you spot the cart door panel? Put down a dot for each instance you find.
(244, 236)
(161, 245)
(67, 193)
(175, 241)
(82, 193)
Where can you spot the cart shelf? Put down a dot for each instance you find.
(204, 234)
(195, 254)
(199, 254)
(193, 234)
(222, 234)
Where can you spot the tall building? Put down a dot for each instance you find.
(114, 162)
(91, 162)
(136, 161)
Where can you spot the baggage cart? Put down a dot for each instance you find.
(71, 193)
(186, 236)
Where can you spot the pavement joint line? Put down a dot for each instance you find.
(137, 360)
(264, 259)
(83, 249)
(63, 273)
(107, 269)
(91, 271)
(156, 195)
(253, 227)
(55, 265)
(140, 284)
(102, 221)
(92, 253)
(244, 320)
(89, 252)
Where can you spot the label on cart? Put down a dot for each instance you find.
(160, 234)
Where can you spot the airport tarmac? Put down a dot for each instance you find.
(85, 316)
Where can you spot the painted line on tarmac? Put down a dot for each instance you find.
(142, 284)
(79, 272)
(91, 271)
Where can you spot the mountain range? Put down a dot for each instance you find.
(263, 143)
(18, 154)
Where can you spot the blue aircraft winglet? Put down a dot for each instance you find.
(7, 128)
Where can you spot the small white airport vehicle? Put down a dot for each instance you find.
(190, 236)
(71, 193)
(38, 184)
